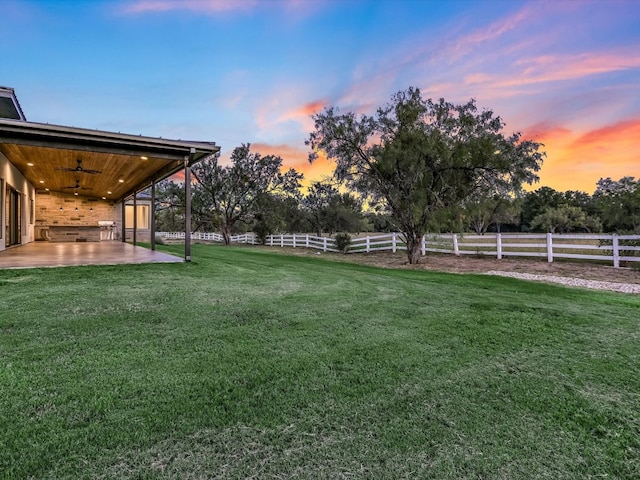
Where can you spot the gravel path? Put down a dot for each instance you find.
(573, 282)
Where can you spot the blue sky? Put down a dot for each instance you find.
(566, 73)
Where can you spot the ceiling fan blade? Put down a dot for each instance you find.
(78, 168)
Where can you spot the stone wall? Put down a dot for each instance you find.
(90, 210)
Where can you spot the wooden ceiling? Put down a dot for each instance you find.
(92, 163)
(117, 174)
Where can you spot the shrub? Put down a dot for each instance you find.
(342, 241)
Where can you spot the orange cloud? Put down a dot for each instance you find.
(298, 158)
(303, 114)
(576, 161)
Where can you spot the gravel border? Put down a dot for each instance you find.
(573, 282)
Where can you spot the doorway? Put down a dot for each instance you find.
(13, 214)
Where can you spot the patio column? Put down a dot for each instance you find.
(187, 205)
(124, 220)
(135, 217)
(153, 215)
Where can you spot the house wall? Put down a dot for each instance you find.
(11, 176)
(48, 211)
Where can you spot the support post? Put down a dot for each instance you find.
(368, 246)
(616, 250)
(423, 246)
(550, 247)
(187, 205)
(499, 245)
(135, 217)
(456, 247)
(306, 240)
(394, 243)
(324, 244)
(153, 216)
(294, 240)
(124, 220)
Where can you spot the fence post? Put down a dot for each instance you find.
(281, 240)
(456, 247)
(324, 244)
(499, 245)
(550, 247)
(393, 242)
(423, 246)
(616, 250)
(367, 244)
(294, 240)
(271, 240)
(306, 240)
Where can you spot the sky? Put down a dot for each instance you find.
(565, 73)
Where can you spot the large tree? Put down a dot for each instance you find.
(229, 194)
(421, 157)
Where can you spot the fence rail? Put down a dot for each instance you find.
(607, 248)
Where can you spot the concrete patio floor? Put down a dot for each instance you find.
(49, 254)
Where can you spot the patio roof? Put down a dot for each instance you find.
(94, 163)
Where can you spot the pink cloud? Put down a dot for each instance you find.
(465, 44)
(204, 6)
(295, 8)
(551, 68)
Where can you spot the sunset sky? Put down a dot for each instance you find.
(565, 73)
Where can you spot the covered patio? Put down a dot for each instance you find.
(78, 180)
(62, 254)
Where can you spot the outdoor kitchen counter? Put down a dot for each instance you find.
(73, 233)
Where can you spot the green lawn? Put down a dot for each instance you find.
(247, 363)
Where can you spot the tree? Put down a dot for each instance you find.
(566, 218)
(420, 157)
(490, 208)
(169, 206)
(618, 203)
(536, 202)
(316, 203)
(229, 194)
(277, 213)
(331, 211)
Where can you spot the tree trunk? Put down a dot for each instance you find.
(414, 244)
(226, 234)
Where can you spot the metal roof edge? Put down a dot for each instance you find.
(101, 135)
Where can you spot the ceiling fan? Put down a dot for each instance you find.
(78, 168)
(77, 186)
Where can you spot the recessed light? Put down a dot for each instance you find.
(144, 158)
(46, 189)
(41, 181)
(30, 164)
(108, 193)
(104, 198)
(75, 193)
(121, 181)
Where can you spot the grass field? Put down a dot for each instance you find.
(249, 363)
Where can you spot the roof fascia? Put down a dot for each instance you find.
(30, 133)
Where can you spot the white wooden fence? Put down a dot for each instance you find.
(601, 247)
